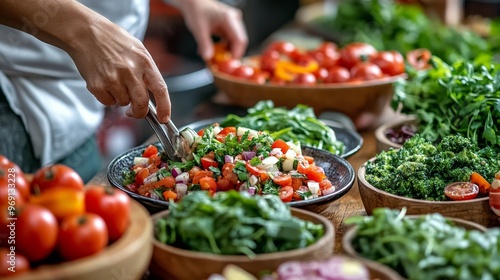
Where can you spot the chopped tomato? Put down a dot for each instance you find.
(228, 130)
(296, 196)
(296, 183)
(286, 193)
(303, 167)
(262, 174)
(169, 194)
(206, 162)
(208, 184)
(283, 180)
(224, 184)
(193, 171)
(141, 175)
(419, 58)
(200, 132)
(201, 174)
(309, 159)
(167, 182)
(315, 173)
(325, 184)
(150, 150)
(461, 190)
(278, 143)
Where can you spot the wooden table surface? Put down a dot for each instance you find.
(348, 205)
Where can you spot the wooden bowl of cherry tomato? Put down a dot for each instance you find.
(356, 80)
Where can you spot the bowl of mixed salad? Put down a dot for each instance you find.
(233, 158)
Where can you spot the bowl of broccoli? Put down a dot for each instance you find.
(416, 175)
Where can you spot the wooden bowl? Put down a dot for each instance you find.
(384, 143)
(389, 272)
(475, 210)
(169, 262)
(127, 258)
(363, 102)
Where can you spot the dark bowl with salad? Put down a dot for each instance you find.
(233, 158)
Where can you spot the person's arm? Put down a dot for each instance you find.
(211, 17)
(116, 66)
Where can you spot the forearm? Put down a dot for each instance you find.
(62, 23)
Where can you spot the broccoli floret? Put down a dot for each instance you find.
(456, 143)
(412, 180)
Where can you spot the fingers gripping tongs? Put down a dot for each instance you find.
(175, 146)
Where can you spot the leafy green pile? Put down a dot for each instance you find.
(391, 26)
(235, 223)
(421, 169)
(428, 247)
(447, 99)
(298, 124)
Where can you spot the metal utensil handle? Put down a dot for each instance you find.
(160, 132)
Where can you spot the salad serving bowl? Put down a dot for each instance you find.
(337, 169)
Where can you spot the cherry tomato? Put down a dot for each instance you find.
(419, 58)
(268, 60)
(282, 47)
(228, 66)
(390, 62)
(208, 184)
(286, 193)
(305, 79)
(12, 263)
(315, 173)
(281, 144)
(354, 53)
(244, 71)
(329, 49)
(321, 74)
(206, 162)
(56, 175)
(111, 204)
(259, 78)
(81, 236)
(150, 150)
(224, 184)
(12, 175)
(337, 74)
(461, 190)
(283, 180)
(36, 232)
(366, 71)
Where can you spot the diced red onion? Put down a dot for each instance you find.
(182, 178)
(181, 189)
(176, 171)
(251, 190)
(153, 195)
(162, 164)
(248, 155)
(290, 269)
(276, 152)
(243, 187)
(303, 188)
(228, 159)
(328, 191)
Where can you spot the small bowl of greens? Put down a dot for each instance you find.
(417, 176)
(430, 246)
(201, 235)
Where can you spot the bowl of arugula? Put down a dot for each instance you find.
(429, 246)
(201, 235)
(419, 176)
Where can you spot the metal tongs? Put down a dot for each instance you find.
(173, 143)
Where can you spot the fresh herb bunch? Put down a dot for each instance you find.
(235, 223)
(298, 125)
(428, 247)
(421, 169)
(388, 25)
(447, 99)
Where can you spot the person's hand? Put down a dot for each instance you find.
(210, 17)
(119, 70)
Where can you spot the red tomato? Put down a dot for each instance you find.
(286, 193)
(259, 78)
(142, 174)
(261, 174)
(268, 60)
(419, 58)
(150, 150)
(315, 173)
(208, 184)
(10, 197)
(81, 236)
(206, 162)
(111, 204)
(56, 175)
(366, 71)
(12, 176)
(283, 180)
(461, 191)
(355, 53)
(36, 232)
(278, 143)
(228, 66)
(224, 184)
(296, 183)
(305, 79)
(244, 71)
(390, 62)
(282, 47)
(325, 184)
(200, 132)
(495, 200)
(228, 130)
(329, 49)
(201, 174)
(12, 263)
(321, 74)
(338, 74)
(227, 173)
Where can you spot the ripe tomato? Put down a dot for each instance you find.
(315, 173)
(244, 71)
(259, 77)
(461, 190)
(224, 184)
(12, 175)
(10, 197)
(206, 162)
(81, 236)
(208, 184)
(419, 58)
(268, 60)
(150, 150)
(283, 180)
(282, 47)
(278, 143)
(141, 174)
(305, 79)
(366, 71)
(12, 260)
(113, 205)
(228, 66)
(329, 49)
(321, 74)
(355, 53)
(286, 193)
(337, 74)
(36, 232)
(56, 175)
(390, 62)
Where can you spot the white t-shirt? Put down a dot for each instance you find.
(44, 87)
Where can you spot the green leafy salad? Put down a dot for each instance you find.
(235, 223)
(297, 125)
(429, 247)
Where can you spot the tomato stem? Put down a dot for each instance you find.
(82, 220)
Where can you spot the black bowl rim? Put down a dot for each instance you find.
(160, 203)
